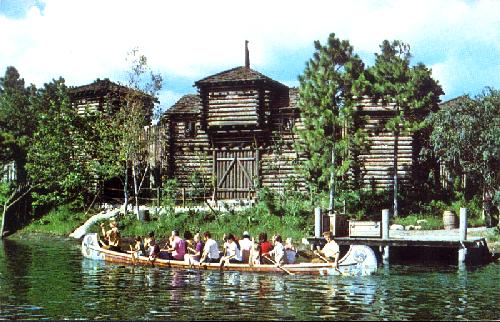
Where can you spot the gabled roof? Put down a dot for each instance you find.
(238, 74)
(458, 99)
(103, 87)
(187, 104)
(98, 86)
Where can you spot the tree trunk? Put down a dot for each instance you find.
(4, 214)
(136, 190)
(331, 205)
(9, 203)
(125, 188)
(487, 205)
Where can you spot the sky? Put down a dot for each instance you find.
(184, 41)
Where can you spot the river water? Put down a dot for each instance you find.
(47, 278)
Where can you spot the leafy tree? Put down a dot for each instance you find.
(412, 90)
(326, 106)
(134, 115)
(16, 121)
(56, 162)
(16, 130)
(466, 137)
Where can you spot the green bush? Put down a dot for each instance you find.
(255, 220)
(169, 194)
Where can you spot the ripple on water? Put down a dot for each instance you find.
(48, 279)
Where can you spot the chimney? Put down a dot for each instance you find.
(247, 55)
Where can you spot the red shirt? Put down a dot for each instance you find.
(265, 247)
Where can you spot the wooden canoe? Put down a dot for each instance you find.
(360, 260)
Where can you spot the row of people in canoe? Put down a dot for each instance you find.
(202, 248)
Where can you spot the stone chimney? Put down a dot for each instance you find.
(247, 55)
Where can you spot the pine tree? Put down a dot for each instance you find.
(412, 90)
(326, 103)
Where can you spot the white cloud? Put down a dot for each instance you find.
(85, 39)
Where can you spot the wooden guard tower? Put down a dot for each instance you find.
(236, 133)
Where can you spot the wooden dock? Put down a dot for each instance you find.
(407, 242)
(419, 244)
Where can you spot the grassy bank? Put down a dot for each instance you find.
(291, 218)
(61, 221)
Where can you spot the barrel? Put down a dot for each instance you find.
(143, 215)
(450, 220)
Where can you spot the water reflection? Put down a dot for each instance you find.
(49, 279)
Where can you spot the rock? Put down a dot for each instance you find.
(410, 227)
(397, 227)
(421, 222)
(82, 230)
(418, 227)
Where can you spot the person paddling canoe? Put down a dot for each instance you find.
(210, 250)
(111, 237)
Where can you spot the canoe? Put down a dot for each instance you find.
(360, 260)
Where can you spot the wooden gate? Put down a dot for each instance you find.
(236, 172)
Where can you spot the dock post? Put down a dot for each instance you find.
(462, 252)
(385, 235)
(317, 222)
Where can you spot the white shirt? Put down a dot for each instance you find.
(278, 252)
(331, 249)
(232, 249)
(212, 249)
(246, 246)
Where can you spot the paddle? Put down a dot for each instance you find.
(223, 261)
(279, 266)
(132, 252)
(326, 260)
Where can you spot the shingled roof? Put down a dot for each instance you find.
(102, 87)
(187, 104)
(456, 100)
(238, 74)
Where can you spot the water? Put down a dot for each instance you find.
(47, 278)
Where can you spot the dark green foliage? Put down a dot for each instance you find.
(466, 138)
(169, 194)
(17, 120)
(414, 94)
(325, 106)
(255, 220)
(198, 185)
(327, 89)
(56, 162)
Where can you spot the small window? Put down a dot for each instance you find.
(288, 124)
(190, 129)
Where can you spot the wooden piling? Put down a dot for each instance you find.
(385, 234)
(462, 252)
(317, 222)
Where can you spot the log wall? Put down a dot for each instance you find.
(229, 107)
(376, 163)
(280, 159)
(189, 152)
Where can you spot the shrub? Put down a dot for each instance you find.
(169, 194)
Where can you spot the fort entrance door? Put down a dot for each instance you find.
(236, 172)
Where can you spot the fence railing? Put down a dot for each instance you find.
(154, 195)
